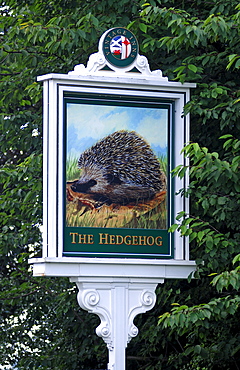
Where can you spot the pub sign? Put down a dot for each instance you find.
(113, 132)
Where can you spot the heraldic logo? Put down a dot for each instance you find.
(120, 47)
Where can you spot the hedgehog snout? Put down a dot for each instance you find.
(83, 187)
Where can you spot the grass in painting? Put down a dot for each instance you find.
(163, 160)
(121, 216)
(72, 170)
(154, 219)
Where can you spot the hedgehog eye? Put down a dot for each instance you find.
(113, 180)
(92, 183)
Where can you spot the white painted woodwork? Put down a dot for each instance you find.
(115, 289)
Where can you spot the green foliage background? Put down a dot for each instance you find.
(195, 324)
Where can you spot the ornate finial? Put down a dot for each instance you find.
(117, 53)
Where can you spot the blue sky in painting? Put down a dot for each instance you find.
(86, 124)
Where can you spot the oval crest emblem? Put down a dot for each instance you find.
(120, 47)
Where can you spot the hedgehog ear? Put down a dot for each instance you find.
(113, 180)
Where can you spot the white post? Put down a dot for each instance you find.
(119, 317)
(117, 301)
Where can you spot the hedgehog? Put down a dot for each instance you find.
(120, 168)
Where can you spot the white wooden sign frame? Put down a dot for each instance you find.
(116, 289)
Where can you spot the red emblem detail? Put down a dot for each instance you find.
(126, 42)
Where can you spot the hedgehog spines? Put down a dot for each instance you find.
(122, 162)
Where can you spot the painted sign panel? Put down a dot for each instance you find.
(118, 157)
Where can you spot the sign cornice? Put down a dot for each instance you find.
(107, 78)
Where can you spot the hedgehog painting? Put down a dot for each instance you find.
(120, 169)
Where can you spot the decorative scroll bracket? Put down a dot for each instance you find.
(117, 302)
(97, 62)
